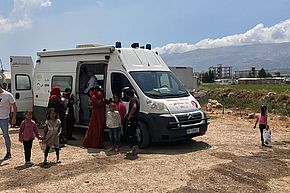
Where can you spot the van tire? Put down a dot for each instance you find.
(143, 135)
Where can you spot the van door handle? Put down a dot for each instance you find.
(17, 95)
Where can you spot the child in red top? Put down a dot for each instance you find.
(120, 107)
(27, 132)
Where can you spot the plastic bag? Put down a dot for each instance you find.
(42, 145)
(267, 135)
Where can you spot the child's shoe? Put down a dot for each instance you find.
(57, 159)
(45, 162)
(133, 151)
(29, 163)
(116, 149)
(111, 148)
(7, 156)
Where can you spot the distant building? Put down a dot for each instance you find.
(272, 80)
(275, 74)
(251, 73)
(185, 75)
(221, 72)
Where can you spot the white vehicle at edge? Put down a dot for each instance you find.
(168, 112)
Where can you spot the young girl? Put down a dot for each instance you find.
(28, 129)
(120, 107)
(52, 132)
(263, 124)
(113, 122)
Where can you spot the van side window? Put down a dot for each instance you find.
(62, 81)
(22, 82)
(118, 82)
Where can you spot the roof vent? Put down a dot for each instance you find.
(87, 45)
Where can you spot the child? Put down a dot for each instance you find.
(263, 124)
(28, 129)
(52, 132)
(113, 122)
(120, 107)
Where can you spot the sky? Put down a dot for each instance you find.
(28, 26)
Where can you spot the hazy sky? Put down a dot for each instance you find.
(28, 26)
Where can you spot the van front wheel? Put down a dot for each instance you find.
(143, 135)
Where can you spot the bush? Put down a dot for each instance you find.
(250, 99)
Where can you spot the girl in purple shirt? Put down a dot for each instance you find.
(27, 132)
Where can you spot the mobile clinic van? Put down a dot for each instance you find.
(167, 110)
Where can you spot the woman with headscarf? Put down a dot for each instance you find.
(60, 107)
(95, 134)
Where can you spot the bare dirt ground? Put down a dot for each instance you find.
(228, 158)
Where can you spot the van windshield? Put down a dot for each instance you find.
(159, 84)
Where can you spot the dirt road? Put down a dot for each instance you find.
(228, 158)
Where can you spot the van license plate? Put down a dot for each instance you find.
(194, 130)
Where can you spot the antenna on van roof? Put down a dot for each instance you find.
(1, 66)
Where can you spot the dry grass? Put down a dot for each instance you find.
(227, 159)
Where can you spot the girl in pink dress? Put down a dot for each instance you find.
(27, 133)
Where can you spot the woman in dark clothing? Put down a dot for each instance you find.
(60, 107)
(70, 116)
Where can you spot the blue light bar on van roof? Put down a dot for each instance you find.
(135, 45)
(148, 46)
(118, 45)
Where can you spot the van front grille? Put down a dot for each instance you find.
(185, 120)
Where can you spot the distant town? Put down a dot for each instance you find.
(225, 74)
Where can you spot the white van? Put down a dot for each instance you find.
(167, 110)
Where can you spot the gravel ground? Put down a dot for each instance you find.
(228, 158)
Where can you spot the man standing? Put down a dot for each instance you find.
(132, 116)
(6, 101)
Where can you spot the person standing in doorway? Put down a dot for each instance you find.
(6, 101)
(132, 120)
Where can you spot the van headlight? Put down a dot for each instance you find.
(157, 105)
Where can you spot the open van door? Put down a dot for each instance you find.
(21, 83)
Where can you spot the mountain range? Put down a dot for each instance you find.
(271, 57)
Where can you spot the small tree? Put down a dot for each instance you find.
(208, 77)
(262, 73)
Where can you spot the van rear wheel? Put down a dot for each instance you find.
(143, 135)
